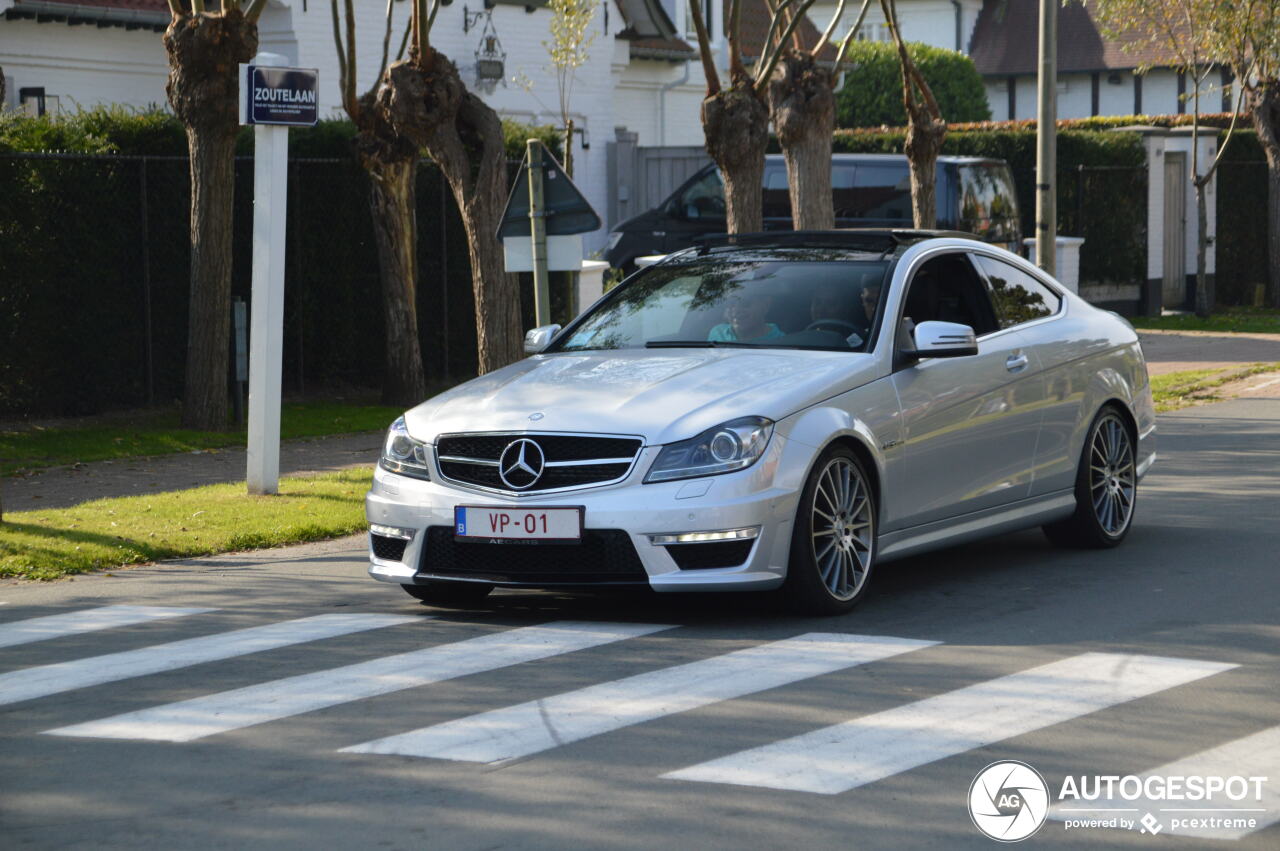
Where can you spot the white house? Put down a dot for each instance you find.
(65, 55)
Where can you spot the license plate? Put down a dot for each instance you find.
(517, 525)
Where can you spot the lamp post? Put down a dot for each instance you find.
(1046, 140)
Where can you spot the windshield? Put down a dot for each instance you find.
(740, 301)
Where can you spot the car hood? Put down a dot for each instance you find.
(663, 395)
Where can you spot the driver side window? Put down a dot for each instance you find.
(946, 289)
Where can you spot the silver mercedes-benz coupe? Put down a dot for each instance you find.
(774, 411)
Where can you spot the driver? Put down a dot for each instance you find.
(746, 314)
(829, 310)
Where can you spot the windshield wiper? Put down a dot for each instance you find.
(697, 344)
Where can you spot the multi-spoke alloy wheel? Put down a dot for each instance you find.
(1112, 475)
(1106, 487)
(833, 548)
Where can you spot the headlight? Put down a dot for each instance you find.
(402, 454)
(733, 446)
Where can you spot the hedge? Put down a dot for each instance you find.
(120, 130)
(79, 275)
(872, 92)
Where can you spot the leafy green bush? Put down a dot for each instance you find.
(872, 93)
(516, 134)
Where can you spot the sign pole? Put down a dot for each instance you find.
(538, 230)
(266, 332)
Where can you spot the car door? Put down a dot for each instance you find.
(697, 208)
(970, 424)
(1061, 346)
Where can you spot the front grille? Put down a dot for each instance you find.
(389, 549)
(482, 452)
(709, 555)
(604, 556)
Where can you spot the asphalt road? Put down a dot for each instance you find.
(866, 735)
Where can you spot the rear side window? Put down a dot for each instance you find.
(988, 206)
(881, 191)
(1017, 296)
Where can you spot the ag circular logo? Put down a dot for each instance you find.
(1008, 801)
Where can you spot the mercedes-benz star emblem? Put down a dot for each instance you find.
(521, 464)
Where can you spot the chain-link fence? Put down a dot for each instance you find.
(94, 278)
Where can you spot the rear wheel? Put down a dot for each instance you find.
(1106, 487)
(449, 593)
(833, 545)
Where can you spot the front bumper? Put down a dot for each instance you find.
(748, 498)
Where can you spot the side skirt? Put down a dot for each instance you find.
(980, 524)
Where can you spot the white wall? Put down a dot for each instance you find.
(83, 65)
(930, 21)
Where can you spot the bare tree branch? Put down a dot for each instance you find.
(343, 66)
(197, 6)
(831, 28)
(349, 84)
(851, 36)
(404, 41)
(386, 40)
(766, 70)
(704, 49)
(255, 9)
(175, 8)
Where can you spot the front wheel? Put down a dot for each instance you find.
(449, 593)
(1106, 487)
(833, 545)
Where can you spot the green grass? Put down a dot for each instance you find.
(1193, 387)
(159, 434)
(1256, 320)
(114, 532)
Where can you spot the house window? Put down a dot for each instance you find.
(708, 18)
(874, 32)
(34, 102)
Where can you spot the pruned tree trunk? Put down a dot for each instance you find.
(1264, 106)
(425, 100)
(735, 122)
(393, 204)
(924, 142)
(1206, 296)
(204, 52)
(802, 104)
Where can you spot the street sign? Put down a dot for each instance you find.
(567, 210)
(275, 95)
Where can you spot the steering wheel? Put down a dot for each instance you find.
(837, 325)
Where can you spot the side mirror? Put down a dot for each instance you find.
(538, 338)
(944, 340)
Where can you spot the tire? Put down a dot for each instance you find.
(838, 506)
(449, 593)
(1106, 487)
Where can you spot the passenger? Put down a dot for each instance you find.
(746, 314)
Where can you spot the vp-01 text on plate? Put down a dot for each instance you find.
(522, 525)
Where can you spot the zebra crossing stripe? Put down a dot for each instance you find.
(1256, 756)
(540, 725)
(88, 620)
(863, 750)
(244, 707)
(31, 683)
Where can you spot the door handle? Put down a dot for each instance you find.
(1016, 362)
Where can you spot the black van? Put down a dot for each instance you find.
(869, 190)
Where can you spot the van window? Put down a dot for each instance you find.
(881, 191)
(843, 193)
(988, 206)
(704, 198)
(777, 202)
